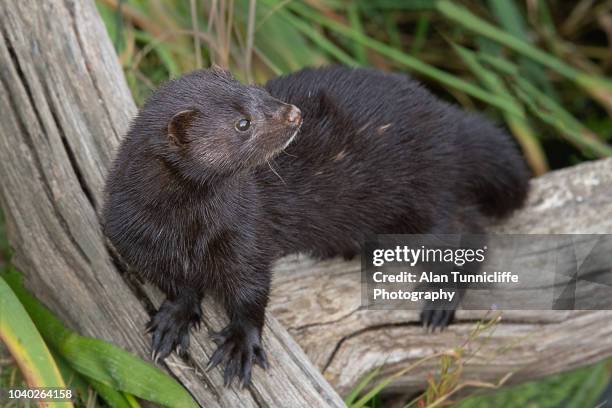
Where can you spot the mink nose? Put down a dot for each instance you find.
(294, 114)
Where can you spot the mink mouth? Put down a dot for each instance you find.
(275, 151)
(275, 140)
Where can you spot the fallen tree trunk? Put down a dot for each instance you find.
(65, 105)
(319, 302)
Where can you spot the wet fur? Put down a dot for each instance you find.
(376, 153)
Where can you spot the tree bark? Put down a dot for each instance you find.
(65, 106)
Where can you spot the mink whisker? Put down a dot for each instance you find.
(275, 172)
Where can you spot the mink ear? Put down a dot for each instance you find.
(179, 126)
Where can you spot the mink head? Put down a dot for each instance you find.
(207, 124)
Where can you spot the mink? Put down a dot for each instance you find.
(216, 179)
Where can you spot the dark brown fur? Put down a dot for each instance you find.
(199, 208)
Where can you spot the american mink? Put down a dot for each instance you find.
(216, 179)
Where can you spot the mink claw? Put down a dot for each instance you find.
(260, 358)
(149, 327)
(217, 338)
(215, 359)
(239, 349)
(170, 329)
(434, 319)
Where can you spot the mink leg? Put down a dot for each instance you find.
(239, 344)
(170, 325)
(439, 314)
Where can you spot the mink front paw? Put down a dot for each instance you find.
(170, 327)
(239, 347)
(433, 319)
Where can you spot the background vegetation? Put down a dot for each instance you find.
(540, 68)
(537, 66)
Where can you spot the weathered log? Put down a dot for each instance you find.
(319, 302)
(65, 105)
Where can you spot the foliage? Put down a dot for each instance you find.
(540, 67)
(84, 362)
(577, 389)
(19, 335)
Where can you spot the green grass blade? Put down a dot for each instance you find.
(393, 31)
(361, 386)
(466, 19)
(600, 88)
(112, 24)
(549, 111)
(501, 64)
(72, 379)
(282, 42)
(405, 59)
(379, 387)
(545, 19)
(320, 40)
(519, 125)
(420, 33)
(112, 397)
(25, 344)
(277, 71)
(162, 51)
(83, 385)
(555, 115)
(123, 371)
(577, 389)
(374, 391)
(589, 392)
(102, 361)
(511, 19)
(355, 21)
(412, 5)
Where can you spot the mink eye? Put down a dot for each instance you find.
(243, 125)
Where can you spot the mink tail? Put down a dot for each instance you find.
(499, 180)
